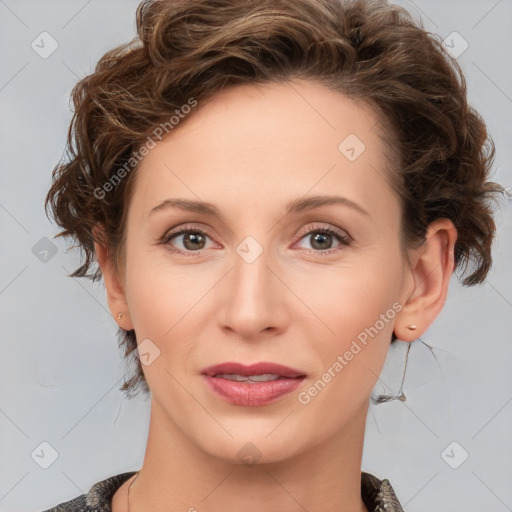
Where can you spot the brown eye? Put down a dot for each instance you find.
(191, 240)
(321, 239)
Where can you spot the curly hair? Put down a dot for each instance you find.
(370, 51)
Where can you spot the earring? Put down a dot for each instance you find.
(395, 396)
(412, 327)
(119, 315)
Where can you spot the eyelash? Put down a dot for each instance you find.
(339, 235)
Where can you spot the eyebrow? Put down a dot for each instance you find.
(295, 206)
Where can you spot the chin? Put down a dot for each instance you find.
(252, 449)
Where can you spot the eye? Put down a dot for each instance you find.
(192, 239)
(321, 239)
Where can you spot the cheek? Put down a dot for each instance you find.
(158, 293)
(360, 311)
(343, 301)
(149, 299)
(166, 305)
(337, 304)
(357, 306)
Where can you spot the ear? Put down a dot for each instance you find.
(114, 286)
(427, 280)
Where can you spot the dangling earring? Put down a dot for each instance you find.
(400, 395)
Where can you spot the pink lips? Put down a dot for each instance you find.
(251, 393)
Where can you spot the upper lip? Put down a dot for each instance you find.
(253, 369)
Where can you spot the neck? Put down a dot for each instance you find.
(176, 474)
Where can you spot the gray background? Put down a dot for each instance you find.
(60, 368)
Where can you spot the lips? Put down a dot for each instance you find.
(253, 369)
(254, 385)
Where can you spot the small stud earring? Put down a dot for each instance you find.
(119, 315)
(412, 327)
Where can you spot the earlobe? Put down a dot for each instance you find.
(116, 297)
(428, 280)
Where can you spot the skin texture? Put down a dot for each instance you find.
(249, 151)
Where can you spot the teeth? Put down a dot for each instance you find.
(242, 378)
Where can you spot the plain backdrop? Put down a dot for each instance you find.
(446, 448)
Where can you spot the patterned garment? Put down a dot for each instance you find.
(378, 495)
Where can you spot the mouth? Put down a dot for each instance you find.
(250, 378)
(257, 372)
(254, 385)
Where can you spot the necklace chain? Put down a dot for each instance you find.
(129, 487)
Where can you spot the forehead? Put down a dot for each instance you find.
(253, 143)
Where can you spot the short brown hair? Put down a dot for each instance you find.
(370, 51)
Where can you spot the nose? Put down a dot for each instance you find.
(253, 296)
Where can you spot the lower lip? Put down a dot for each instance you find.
(252, 394)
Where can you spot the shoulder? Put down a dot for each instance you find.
(378, 495)
(98, 499)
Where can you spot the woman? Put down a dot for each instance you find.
(273, 191)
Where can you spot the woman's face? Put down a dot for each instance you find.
(262, 282)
